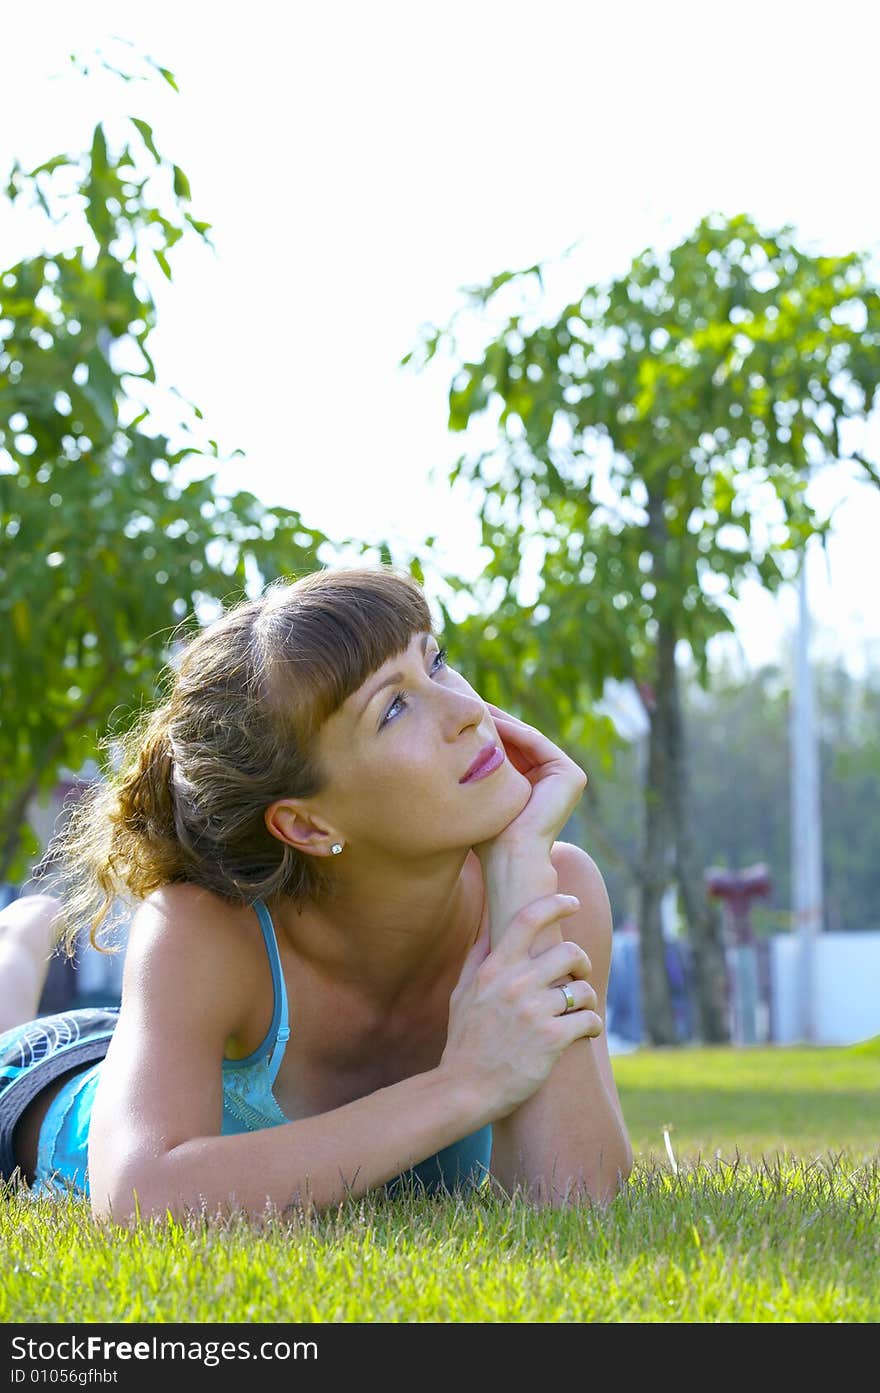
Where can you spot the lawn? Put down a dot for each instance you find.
(754, 1198)
(753, 1102)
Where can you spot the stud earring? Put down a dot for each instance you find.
(336, 848)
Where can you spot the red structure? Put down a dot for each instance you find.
(738, 889)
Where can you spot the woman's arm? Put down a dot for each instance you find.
(568, 1140)
(314, 1163)
(155, 1140)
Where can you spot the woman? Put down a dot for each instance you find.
(359, 956)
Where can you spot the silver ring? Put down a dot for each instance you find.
(570, 1003)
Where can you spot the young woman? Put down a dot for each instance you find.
(359, 956)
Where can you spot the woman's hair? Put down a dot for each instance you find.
(235, 731)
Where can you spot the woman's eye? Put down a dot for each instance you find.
(400, 699)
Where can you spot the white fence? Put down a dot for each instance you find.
(842, 984)
(777, 994)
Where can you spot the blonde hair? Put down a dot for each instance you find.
(235, 732)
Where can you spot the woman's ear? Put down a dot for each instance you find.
(298, 829)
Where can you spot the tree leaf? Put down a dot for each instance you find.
(146, 132)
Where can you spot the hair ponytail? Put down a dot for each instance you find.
(121, 840)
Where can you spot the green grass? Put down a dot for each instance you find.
(764, 1208)
(754, 1102)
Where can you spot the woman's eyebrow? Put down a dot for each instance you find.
(389, 681)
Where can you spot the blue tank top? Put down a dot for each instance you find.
(248, 1106)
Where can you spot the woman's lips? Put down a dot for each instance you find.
(493, 762)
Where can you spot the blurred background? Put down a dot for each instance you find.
(572, 312)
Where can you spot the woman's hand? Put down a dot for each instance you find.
(508, 1022)
(557, 784)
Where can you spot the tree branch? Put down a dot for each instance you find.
(870, 469)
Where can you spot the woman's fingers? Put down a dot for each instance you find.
(522, 732)
(517, 938)
(562, 960)
(529, 737)
(573, 996)
(505, 715)
(583, 1025)
(532, 744)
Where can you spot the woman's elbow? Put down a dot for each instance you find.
(613, 1173)
(626, 1166)
(596, 1185)
(124, 1204)
(130, 1193)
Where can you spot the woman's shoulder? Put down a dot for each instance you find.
(578, 874)
(183, 935)
(572, 861)
(184, 909)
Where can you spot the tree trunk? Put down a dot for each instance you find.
(656, 995)
(703, 916)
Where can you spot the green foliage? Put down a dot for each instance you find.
(108, 551)
(706, 381)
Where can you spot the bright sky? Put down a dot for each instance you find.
(361, 162)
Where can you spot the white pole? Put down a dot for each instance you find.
(806, 824)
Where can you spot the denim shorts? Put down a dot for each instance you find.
(35, 1054)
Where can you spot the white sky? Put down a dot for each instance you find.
(361, 162)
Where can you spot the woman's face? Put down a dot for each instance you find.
(397, 750)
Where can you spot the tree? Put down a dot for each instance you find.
(739, 755)
(107, 552)
(701, 386)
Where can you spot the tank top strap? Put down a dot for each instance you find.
(279, 1030)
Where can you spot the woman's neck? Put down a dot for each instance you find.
(389, 932)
